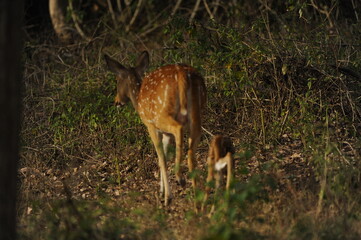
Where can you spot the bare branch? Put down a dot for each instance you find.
(111, 10)
(216, 5)
(195, 9)
(76, 22)
(119, 5)
(176, 8)
(354, 6)
(324, 11)
(208, 10)
(137, 10)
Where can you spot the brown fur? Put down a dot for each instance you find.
(220, 147)
(168, 100)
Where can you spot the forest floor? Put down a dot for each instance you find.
(88, 170)
(137, 195)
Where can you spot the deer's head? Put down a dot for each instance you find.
(129, 79)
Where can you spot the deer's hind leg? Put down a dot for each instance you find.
(193, 141)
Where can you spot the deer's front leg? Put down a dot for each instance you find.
(156, 138)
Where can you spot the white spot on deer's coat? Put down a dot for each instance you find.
(165, 94)
(159, 100)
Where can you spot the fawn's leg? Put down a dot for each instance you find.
(210, 176)
(210, 163)
(229, 169)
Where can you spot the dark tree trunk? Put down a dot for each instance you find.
(11, 16)
(57, 10)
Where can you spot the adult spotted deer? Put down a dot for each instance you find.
(168, 100)
(220, 155)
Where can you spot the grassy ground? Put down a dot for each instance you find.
(89, 171)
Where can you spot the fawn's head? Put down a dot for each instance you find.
(128, 79)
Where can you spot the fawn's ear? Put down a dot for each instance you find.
(142, 63)
(114, 66)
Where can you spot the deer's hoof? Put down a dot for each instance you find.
(167, 201)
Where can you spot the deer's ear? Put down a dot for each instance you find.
(142, 63)
(114, 66)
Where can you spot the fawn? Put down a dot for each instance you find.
(167, 100)
(220, 155)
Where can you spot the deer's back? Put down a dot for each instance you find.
(159, 91)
